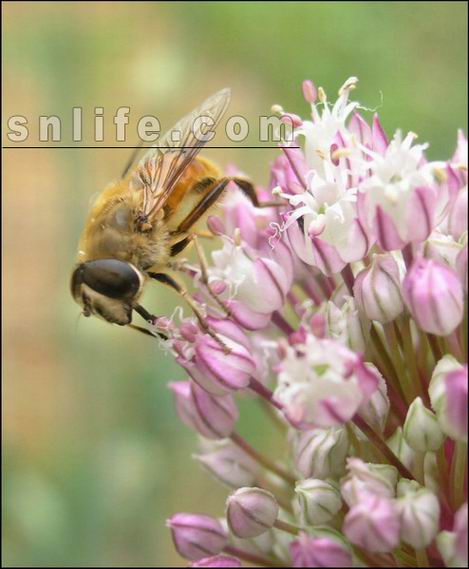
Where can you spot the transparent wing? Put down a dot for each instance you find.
(159, 170)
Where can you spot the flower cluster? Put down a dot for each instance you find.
(342, 310)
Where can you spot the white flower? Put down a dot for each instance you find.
(320, 382)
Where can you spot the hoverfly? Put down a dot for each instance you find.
(140, 223)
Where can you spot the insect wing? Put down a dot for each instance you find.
(160, 169)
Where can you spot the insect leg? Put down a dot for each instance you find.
(204, 275)
(210, 198)
(249, 191)
(180, 246)
(166, 279)
(150, 318)
(147, 332)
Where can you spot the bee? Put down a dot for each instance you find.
(139, 224)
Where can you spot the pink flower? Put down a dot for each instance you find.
(213, 417)
(256, 283)
(434, 296)
(457, 404)
(196, 536)
(322, 383)
(251, 512)
(307, 551)
(229, 464)
(297, 298)
(399, 197)
(373, 523)
(377, 289)
(219, 365)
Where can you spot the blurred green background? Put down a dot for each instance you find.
(95, 459)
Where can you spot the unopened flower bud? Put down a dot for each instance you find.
(311, 551)
(373, 523)
(375, 411)
(377, 289)
(220, 369)
(431, 476)
(366, 479)
(213, 417)
(419, 513)
(446, 543)
(230, 465)
(217, 561)
(196, 536)
(343, 324)
(321, 453)
(433, 293)
(401, 448)
(251, 511)
(310, 92)
(318, 501)
(448, 395)
(421, 428)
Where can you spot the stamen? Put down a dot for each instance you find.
(348, 86)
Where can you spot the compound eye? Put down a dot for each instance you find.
(110, 277)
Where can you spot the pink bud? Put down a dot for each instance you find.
(377, 290)
(219, 369)
(196, 536)
(457, 404)
(230, 465)
(433, 294)
(460, 529)
(308, 551)
(246, 317)
(310, 92)
(373, 523)
(217, 561)
(251, 512)
(213, 417)
(321, 453)
(291, 119)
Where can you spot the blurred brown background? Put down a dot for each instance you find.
(94, 457)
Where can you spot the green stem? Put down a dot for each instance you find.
(285, 526)
(252, 557)
(388, 364)
(458, 473)
(272, 414)
(383, 448)
(404, 376)
(262, 459)
(435, 347)
(452, 346)
(422, 558)
(410, 357)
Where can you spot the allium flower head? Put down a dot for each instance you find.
(343, 310)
